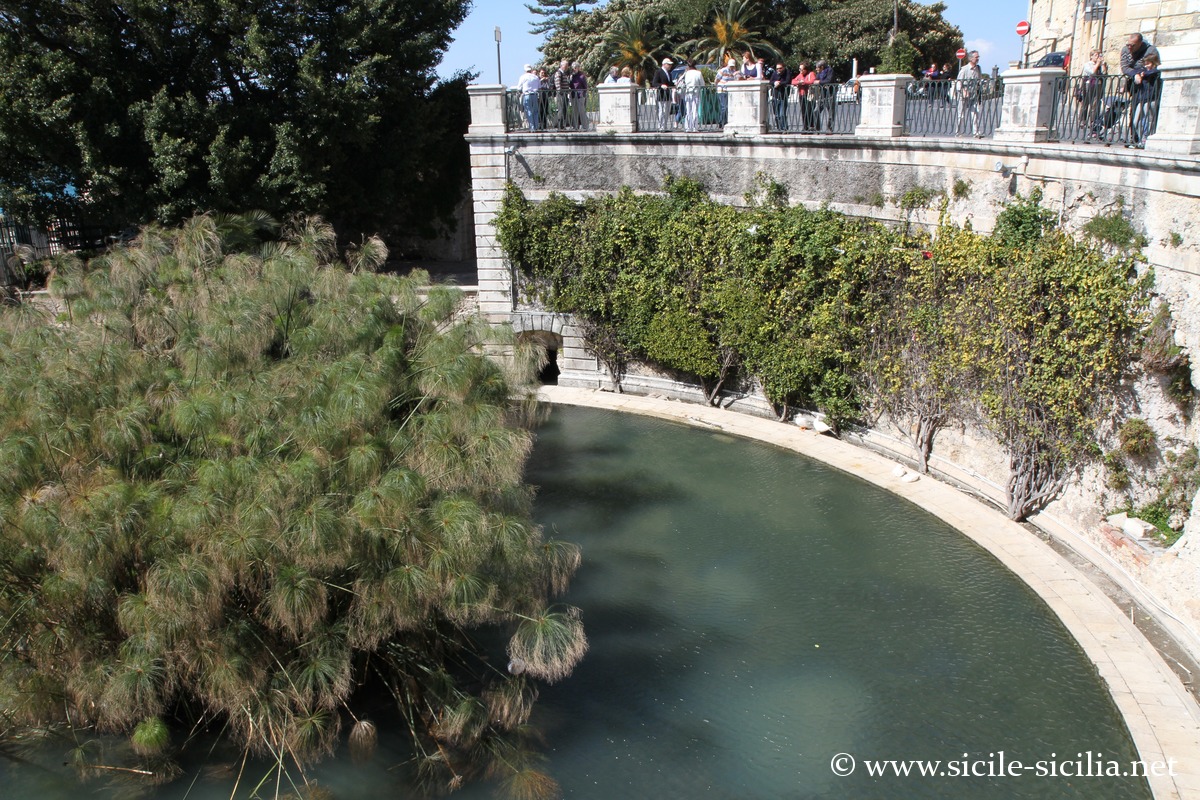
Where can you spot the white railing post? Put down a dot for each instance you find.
(1178, 128)
(487, 110)
(618, 108)
(882, 105)
(747, 108)
(1028, 104)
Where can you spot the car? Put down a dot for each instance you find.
(1052, 60)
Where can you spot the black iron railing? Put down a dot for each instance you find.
(1104, 109)
(819, 108)
(548, 110)
(969, 108)
(703, 109)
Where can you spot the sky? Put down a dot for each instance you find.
(988, 26)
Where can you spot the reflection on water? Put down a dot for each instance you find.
(752, 614)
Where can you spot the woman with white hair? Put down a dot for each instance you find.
(579, 88)
(691, 85)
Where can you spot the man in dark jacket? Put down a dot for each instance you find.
(825, 96)
(1133, 61)
(781, 84)
(562, 95)
(663, 87)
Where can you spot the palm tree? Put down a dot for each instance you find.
(635, 42)
(732, 32)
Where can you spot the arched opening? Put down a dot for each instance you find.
(552, 344)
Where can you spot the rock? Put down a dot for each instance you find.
(1118, 520)
(1136, 528)
(911, 477)
(899, 471)
(1177, 520)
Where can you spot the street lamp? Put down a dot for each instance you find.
(499, 78)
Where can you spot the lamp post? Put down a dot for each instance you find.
(499, 78)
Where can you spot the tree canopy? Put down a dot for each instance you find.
(244, 485)
(836, 30)
(136, 112)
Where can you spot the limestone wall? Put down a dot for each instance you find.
(1160, 194)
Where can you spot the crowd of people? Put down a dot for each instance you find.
(805, 99)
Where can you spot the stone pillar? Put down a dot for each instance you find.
(489, 172)
(747, 108)
(1027, 105)
(1178, 129)
(882, 105)
(487, 110)
(618, 108)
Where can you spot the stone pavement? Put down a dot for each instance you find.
(1162, 717)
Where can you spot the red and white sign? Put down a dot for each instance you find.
(961, 54)
(1022, 28)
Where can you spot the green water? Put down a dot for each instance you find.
(753, 614)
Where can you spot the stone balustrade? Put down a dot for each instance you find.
(1026, 109)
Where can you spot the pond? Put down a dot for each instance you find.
(753, 615)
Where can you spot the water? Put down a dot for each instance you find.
(752, 614)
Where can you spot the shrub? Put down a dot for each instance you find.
(1137, 438)
(962, 189)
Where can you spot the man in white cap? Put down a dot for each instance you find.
(529, 85)
(663, 87)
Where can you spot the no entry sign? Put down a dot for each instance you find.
(1022, 28)
(961, 54)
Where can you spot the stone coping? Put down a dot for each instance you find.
(1162, 717)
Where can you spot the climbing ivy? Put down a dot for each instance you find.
(1026, 329)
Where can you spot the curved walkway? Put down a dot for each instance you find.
(1163, 719)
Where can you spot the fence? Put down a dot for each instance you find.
(953, 108)
(819, 108)
(547, 109)
(674, 109)
(1102, 109)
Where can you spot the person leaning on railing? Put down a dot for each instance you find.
(1133, 59)
(967, 90)
(1145, 100)
(826, 97)
(530, 85)
(1089, 93)
(579, 87)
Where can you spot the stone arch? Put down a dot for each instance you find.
(552, 343)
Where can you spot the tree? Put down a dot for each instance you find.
(732, 30)
(553, 14)
(244, 484)
(634, 42)
(132, 112)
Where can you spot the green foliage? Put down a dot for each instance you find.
(730, 34)
(1161, 354)
(916, 197)
(553, 13)
(838, 32)
(898, 57)
(1117, 473)
(877, 200)
(766, 192)
(1137, 438)
(1115, 230)
(1023, 221)
(240, 480)
(1175, 239)
(1177, 485)
(962, 189)
(154, 111)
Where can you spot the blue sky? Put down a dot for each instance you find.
(987, 25)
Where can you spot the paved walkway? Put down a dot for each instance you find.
(1163, 719)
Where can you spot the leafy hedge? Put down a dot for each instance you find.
(1029, 329)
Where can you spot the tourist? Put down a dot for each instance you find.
(1090, 93)
(663, 87)
(725, 76)
(1133, 57)
(626, 77)
(691, 85)
(562, 94)
(1145, 100)
(613, 75)
(804, 80)
(780, 81)
(579, 87)
(826, 98)
(529, 85)
(967, 89)
(750, 67)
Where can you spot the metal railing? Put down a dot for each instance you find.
(547, 109)
(675, 109)
(819, 108)
(1102, 109)
(952, 108)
